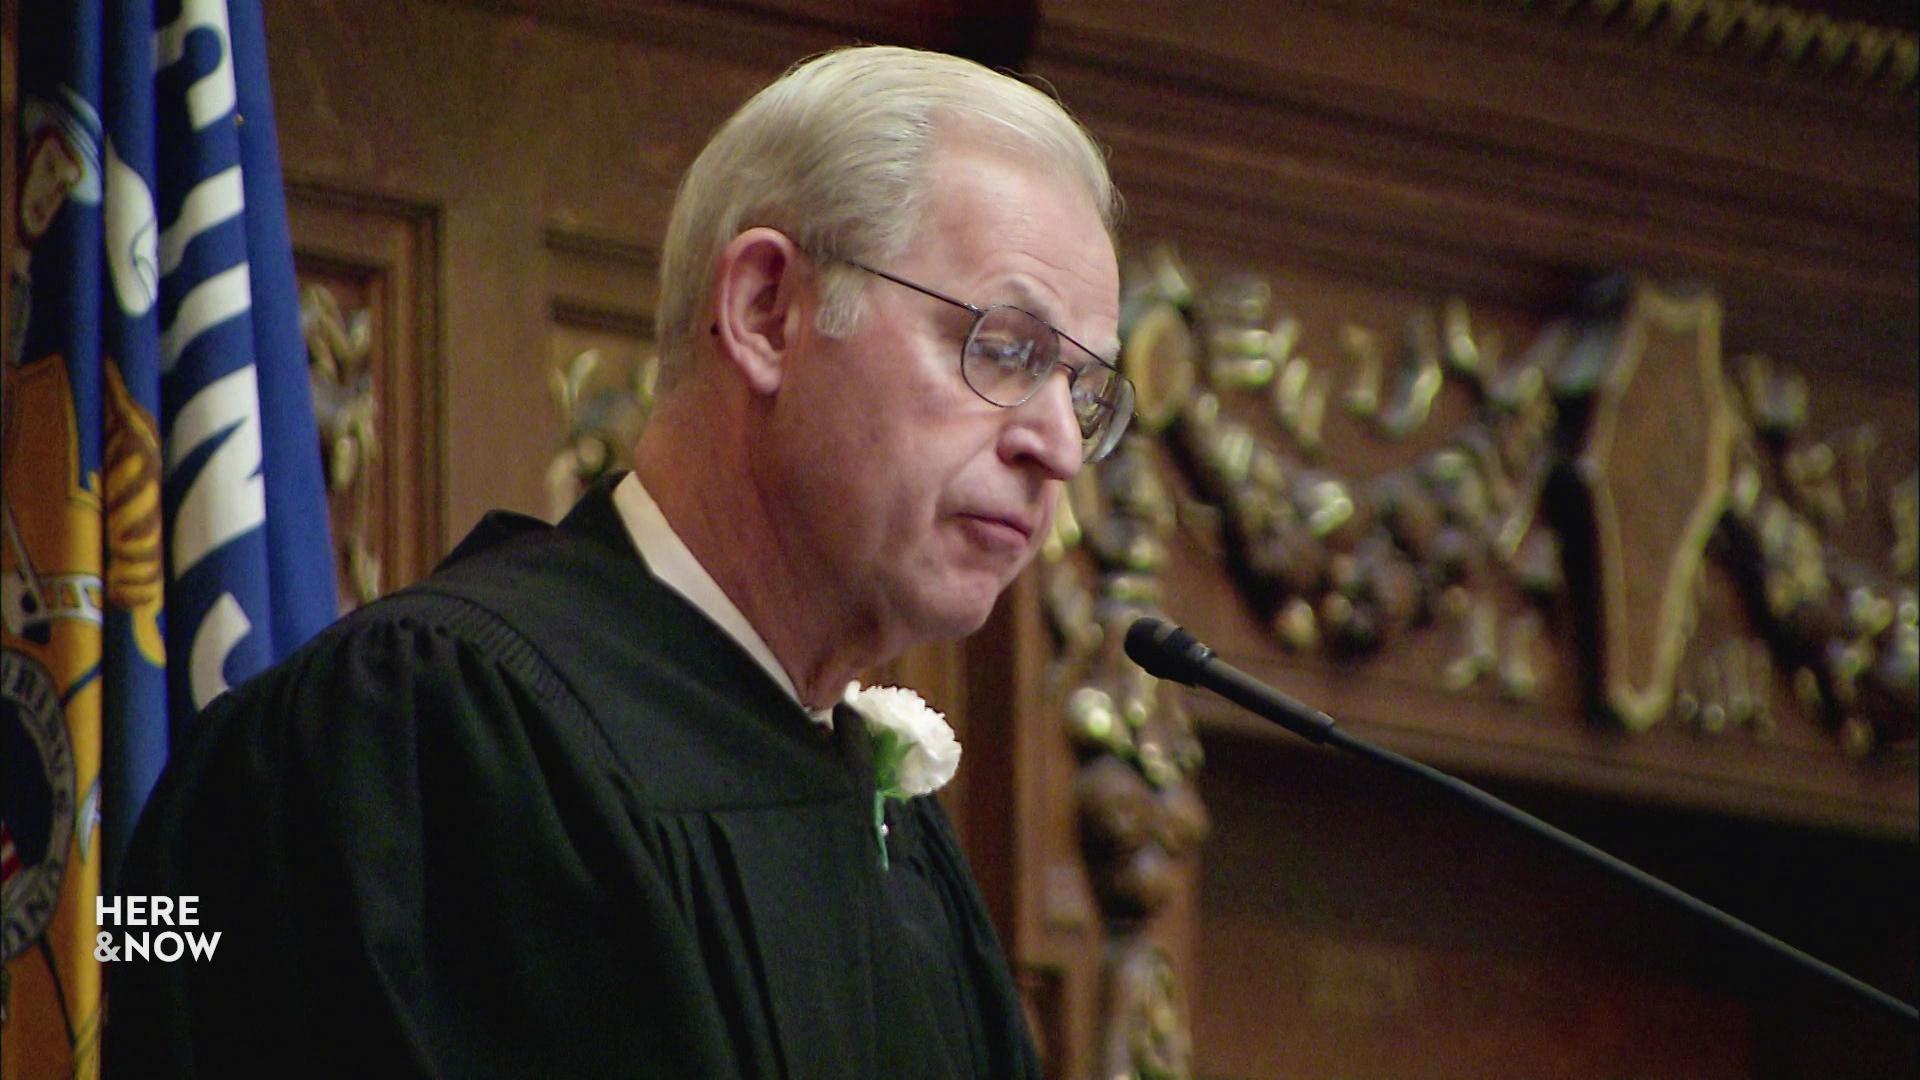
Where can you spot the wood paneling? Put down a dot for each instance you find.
(1795, 773)
(1359, 926)
(510, 126)
(1461, 147)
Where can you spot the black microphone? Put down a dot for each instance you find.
(1168, 652)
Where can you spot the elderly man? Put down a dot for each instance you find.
(589, 801)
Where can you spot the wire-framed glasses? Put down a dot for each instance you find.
(1008, 354)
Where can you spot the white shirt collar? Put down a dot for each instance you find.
(673, 565)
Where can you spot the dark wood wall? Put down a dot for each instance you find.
(477, 191)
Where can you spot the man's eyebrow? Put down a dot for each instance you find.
(1028, 300)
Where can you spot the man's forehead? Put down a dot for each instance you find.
(1023, 234)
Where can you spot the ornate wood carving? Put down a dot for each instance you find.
(338, 348)
(600, 357)
(1844, 621)
(603, 403)
(1478, 530)
(1497, 150)
(1138, 812)
(1348, 566)
(1423, 483)
(1654, 463)
(370, 304)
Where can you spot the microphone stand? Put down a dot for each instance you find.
(1169, 652)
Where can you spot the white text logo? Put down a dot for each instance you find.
(151, 944)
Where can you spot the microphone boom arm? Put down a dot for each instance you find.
(1168, 652)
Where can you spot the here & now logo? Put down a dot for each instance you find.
(151, 944)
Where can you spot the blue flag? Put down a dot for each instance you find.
(164, 508)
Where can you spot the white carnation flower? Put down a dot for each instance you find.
(927, 753)
(914, 751)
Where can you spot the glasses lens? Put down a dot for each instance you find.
(1115, 412)
(1093, 389)
(1007, 355)
(1010, 352)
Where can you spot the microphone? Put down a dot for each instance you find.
(1168, 652)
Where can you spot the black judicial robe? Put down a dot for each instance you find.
(537, 816)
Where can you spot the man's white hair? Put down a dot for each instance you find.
(834, 154)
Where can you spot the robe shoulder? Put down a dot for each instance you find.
(395, 838)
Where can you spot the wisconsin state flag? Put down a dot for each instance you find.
(164, 511)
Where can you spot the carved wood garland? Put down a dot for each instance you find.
(339, 346)
(1137, 809)
(1845, 628)
(369, 303)
(603, 411)
(601, 362)
(1598, 473)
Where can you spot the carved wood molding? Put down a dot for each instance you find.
(1774, 36)
(1404, 202)
(601, 281)
(1454, 147)
(369, 267)
(1475, 526)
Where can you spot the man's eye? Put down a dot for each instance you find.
(1005, 352)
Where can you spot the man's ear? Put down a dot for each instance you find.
(764, 289)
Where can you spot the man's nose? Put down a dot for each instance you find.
(1045, 429)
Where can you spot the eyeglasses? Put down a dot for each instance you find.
(1010, 352)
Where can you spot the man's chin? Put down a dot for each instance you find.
(952, 626)
(949, 618)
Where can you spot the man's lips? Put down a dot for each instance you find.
(1001, 529)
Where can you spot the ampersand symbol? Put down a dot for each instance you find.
(103, 947)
